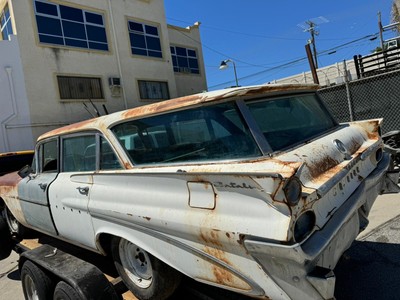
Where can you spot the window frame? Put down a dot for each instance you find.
(176, 58)
(146, 51)
(77, 78)
(98, 138)
(40, 156)
(90, 43)
(166, 86)
(7, 25)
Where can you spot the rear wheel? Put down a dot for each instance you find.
(146, 276)
(36, 284)
(64, 291)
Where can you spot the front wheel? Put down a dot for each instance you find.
(13, 225)
(147, 277)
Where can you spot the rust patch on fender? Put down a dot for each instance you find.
(211, 238)
(319, 168)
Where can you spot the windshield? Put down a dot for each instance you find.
(289, 120)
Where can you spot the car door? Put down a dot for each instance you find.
(33, 189)
(81, 156)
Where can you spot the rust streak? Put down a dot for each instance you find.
(321, 166)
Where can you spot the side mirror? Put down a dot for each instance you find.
(25, 171)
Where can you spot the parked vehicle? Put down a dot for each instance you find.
(257, 190)
(13, 161)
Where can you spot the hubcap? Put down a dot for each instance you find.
(136, 263)
(30, 288)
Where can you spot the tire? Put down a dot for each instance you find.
(36, 284)
(64, 291)
(14, 226)
(146, 277)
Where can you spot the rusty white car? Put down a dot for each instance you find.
(257, 190)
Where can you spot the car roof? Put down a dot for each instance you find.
(245, 92)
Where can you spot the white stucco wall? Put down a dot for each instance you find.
(42, 63)
(189, 37)
(15, 130)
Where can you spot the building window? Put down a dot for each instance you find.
(184, 60)
(5, 23)
(68, 26)
(80, 87)
(154, 90)
(145, 39)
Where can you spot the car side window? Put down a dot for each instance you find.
(79, 153)
(49, 157)
(108, 158)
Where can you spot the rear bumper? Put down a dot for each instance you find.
(304, 271)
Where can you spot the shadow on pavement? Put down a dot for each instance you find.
(369, 270)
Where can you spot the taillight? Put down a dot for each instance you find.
(292, 190)
(304, 226)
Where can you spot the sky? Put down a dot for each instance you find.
(266, 39)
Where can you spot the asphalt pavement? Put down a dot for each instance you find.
(368, 270)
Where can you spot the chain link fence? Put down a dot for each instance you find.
(367, 98)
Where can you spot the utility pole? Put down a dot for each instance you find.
(313, 32)
(380, 29)
(311, 62)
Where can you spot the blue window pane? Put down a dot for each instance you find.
(193, 63)
(51, 39)
(98, 46)
(45, 8)
(9, 28)
(76, 43)
(151, 30)
(191, 53)
(94, 18)
(176, 69)
(96, 33)
(4, 35)
(182, 62)
(174, 61)
(48, 25)
(194, 71)
(139, 51)
(137, 40)
(153, 43)
(155, 53)
(181, 51)
(135, 26)
(6, 13)
(74, 30)
(172, 50)
(71, 13)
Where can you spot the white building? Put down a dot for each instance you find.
(58, 56)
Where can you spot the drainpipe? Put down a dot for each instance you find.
(117, 53)
(14, 109)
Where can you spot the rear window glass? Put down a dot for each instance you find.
(289, 120)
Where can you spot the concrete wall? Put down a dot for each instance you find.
(15, 130)
(327, 76)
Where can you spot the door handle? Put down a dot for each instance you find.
(43, 186)
(83, 190)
